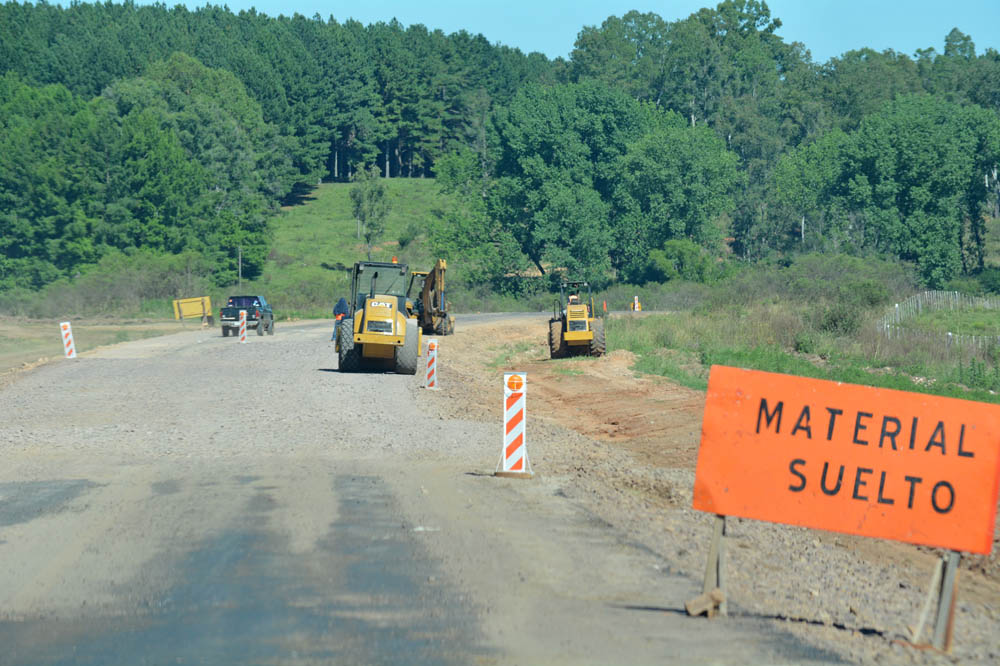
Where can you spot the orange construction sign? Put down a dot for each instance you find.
(868, 461)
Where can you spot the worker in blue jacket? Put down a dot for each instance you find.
(340, 310)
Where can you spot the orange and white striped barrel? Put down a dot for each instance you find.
(243, 327)
(514, 457)
(69, 348)
(431, 379)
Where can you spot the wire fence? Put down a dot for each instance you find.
(891, 325)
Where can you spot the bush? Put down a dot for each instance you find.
(989, 278)
(965, 285)
(409, 234)
(806, 342)
(841, 319)
(865, 294)
(681, 259)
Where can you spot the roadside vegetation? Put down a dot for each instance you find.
(507, 353)
(816, 318)
(960, 322)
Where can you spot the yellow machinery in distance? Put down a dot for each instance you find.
(199, 307)
(379, 334)
(573, 329)
(430, 306)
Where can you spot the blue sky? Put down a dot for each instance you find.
(827, 27)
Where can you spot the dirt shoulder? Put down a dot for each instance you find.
(627, 444)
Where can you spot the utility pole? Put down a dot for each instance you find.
(803, 229)
(239, 266)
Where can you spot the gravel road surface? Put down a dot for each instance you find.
(188, 499)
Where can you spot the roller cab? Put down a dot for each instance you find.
(573, 328)
(380, 335)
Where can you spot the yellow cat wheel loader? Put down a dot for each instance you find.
(379, 335)
(573, 329)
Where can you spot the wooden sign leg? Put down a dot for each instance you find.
(715, 568)
(933, 591)
(945, 617)
(712, 566)
(720, 573)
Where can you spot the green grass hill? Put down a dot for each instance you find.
(316, 243)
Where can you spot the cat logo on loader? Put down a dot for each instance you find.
(573, 329)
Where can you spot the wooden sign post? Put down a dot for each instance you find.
(873, 462)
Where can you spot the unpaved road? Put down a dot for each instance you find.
(187, 499)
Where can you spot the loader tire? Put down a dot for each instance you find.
(598, 344)
(406, 355)
(349, 356)
(557, 343)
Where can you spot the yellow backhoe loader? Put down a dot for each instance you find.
(379, 335)
(430, 306)
(573, 329)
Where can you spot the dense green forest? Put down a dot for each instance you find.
(657, 150)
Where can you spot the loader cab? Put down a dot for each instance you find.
(425, 297)
(415, 292)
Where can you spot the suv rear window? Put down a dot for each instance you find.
(242, 302)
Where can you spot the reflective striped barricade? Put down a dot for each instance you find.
(431, 378)
(514, 456)
(69, 348)
(243, 327)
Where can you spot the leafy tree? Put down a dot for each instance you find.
(681, 259)
(676, 182)
(860, 82)
(628, 53)
(555, 144)
(369, 205)
(489, 253)
(801, 188)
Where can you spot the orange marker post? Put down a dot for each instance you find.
(69, 347)
(243, 327)
(514, 456)
(431, 379)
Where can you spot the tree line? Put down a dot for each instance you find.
(868, 153)
(655, 149)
